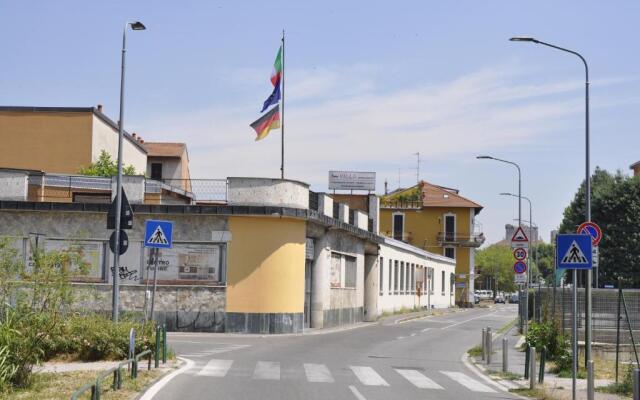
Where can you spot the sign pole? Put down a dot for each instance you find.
(574, 336)
(155, 280)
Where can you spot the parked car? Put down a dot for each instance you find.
(514, 298)
(499, 299)
(476, 299)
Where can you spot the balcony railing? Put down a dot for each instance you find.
(450, 238)
(404, 237)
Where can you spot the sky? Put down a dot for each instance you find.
(368, 84)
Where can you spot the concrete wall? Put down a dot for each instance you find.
(133, 186)
(14, 185)
(325, 204)
(266, 275)
(46, 141)
(105, 137)
(267, 192)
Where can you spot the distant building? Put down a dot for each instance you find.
(168, 163)
(439, 220)
(636, 168)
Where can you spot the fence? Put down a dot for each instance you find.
(605, 312)
(204, 190)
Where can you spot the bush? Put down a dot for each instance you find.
(546, 335)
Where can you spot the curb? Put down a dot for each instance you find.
(153, 389)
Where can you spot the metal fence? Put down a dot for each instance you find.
(204, 190)
(607, 307)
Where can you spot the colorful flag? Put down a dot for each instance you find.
(274, 98)
(277, 68)
(269, 121)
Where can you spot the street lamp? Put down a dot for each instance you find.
(136, 26)
(587, 203)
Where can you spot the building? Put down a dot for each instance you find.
(636, 168)
(439, 220)
(63, 139)
(168, 163)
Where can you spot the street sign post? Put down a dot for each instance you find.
(520, 278)
(158, 235)
(126, 214)
(592, 229)
(519, 239)
(573, 251)
(520, 267)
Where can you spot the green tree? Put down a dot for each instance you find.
(496, 262)
(544, 254)
(615, 206)
(106, 167)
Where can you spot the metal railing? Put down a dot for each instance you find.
(204, 190)
(410, 204)
(473, 240)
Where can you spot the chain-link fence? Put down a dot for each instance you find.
(614, 313)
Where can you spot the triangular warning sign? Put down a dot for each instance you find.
(519, 236)
(574, 255)
(158, 237)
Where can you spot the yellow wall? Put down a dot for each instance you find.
(52, 142)
(265, 265)
(424, 225)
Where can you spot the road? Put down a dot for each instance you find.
(418, 359)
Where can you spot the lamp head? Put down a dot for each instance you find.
(137, 26)
(523, 39)
(506, 194)
(484, 157)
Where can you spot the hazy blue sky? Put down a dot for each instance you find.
(369, 84)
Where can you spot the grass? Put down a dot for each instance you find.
(510, 376)
(59, 386)
(403, 310)
(475, 351)
(507, 326)
(539, 394)
(616, 388)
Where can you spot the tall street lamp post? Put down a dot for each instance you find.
(136, 26)
(587, 197)
(526, 303)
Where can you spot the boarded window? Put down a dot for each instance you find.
(185, 263)
(390, 275)
(381, 279)
(350, 272)
(395, 277)
(336, 270)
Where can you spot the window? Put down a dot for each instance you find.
(381, 280)
(407, 276)
(390, 275)
(450, 227)
(432, 283)
(350, 272)
(398, 226)
(442, 282)
(450, 252)
(413, 278)
(395, 277)
(156, 171)
(336, 270)
(453, 284)
(401, 276)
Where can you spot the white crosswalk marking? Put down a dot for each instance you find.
(467, 382)
(267, 370)
(317, 373)
(217, 368)
(368, 376)
(418, 379)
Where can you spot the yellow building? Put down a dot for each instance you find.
(439, 220)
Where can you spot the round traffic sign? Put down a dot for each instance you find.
(592, 229)
(520, 267)
(124, 242)
(520, 254)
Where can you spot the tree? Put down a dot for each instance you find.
(544, 254)
(496, 262)
(615, 206)
(106, 167)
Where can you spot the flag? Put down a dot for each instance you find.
(277, 68)
(274, 98)
(269, 121)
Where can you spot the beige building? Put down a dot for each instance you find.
(169, 163)
(636, 168)
(62, 139)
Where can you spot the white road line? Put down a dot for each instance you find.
(368, 376)
(318, 373)
(418, 379)
(153, 390)
(468, 382)
(267, 370)
(217, 368)
(401, 337)
(356, 393)
(425, 329)
(467, 320)
(413, 334)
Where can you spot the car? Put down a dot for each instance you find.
(476, 299)
(514, 298)
(499, 299)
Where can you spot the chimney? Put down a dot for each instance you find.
(386, 187)
(134, 135)
(141, 141)
(100, 107)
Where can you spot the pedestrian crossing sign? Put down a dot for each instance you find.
(158, 234)
(574, 251)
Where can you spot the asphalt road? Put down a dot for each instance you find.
(419, 359)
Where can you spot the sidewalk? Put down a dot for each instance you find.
(400, 318)
(555, 387)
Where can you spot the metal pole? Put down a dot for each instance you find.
(505, 354)
(532, 367)
(484, 343)
(636, 384)
(155, 281)
(115, 296)
(590, 385)
(282, 122)
(574, 334)
(488, 345)
(618, 329)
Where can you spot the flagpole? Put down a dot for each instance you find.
(282, 115)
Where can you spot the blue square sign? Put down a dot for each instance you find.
(158, 234)
(573, 251)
